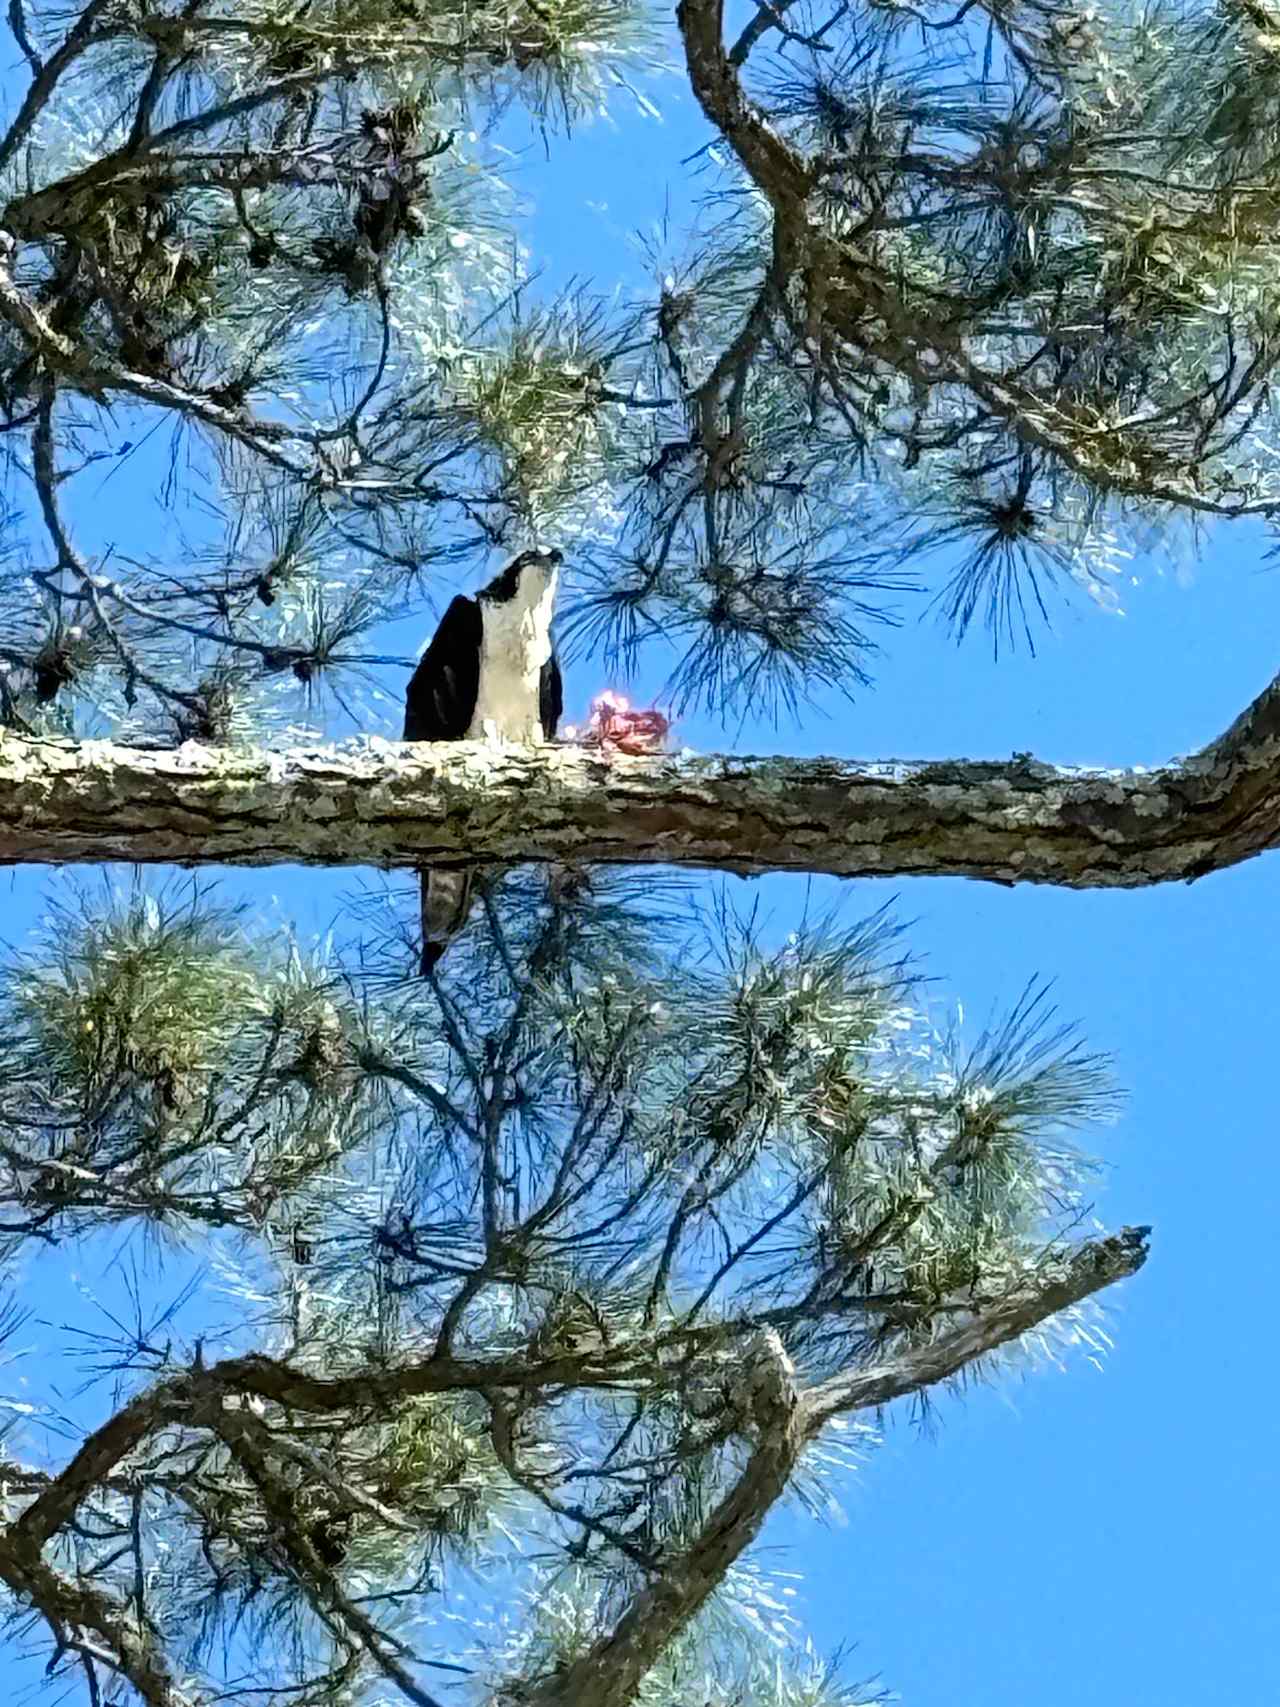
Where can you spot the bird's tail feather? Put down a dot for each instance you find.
(446, 901)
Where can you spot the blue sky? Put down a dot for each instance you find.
(1065, 1536)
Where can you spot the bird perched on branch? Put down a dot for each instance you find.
(489, 674)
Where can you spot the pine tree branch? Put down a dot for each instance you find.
(83, 34)
(865, 307)
(775, 167)
(784, 1418)
(48, 210)
(72, 1606)
(253, 1447)
(1054, 1285)
(611, 1670)
(96, 1460)
(98, 377)
(1015, 821)
(768, 1407)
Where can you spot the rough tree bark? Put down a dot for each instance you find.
(390, 805)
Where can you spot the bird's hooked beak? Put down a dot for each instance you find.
(529, 575)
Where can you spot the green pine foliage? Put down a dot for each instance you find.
(530, 1278)
(1026, 320)
(569, 1153)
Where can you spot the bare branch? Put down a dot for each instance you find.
(18, 24)
(774, 166)
(1054, 1285)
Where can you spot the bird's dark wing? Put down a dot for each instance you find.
(550, 697)
(442, 694)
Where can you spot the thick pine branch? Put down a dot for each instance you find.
(1015, 821)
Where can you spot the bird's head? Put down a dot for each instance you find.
(526, 577)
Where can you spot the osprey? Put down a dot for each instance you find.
(489, 674)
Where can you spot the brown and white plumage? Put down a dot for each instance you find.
(489, 674)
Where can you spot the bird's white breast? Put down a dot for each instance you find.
(515, 642)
